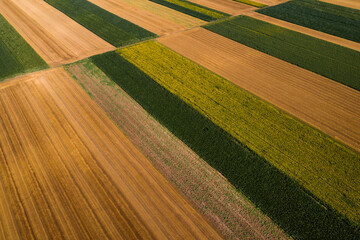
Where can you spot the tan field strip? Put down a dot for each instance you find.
(329, 106)
(226, 6)
(346, 3)
(55, 37)
(140, 17)
(67, 172)
(156, 9)
(308, 31)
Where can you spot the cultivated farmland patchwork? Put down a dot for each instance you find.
(179, 119)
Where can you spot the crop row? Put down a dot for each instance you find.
(330, 60)
(251, 3)
(192, 113)
(106, 25)
(332, 19)
(192, 9)
(16, 55)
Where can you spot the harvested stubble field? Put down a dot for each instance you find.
(310, 97)
(226, 6)
(302, 215)
(346, 3)
(230, 211)
(55, 37)
(67, 171)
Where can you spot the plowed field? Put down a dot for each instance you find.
(140, 17)
(308, 31)
(54, 36)
(226, 6)
(68, 172)
(325, 104)
(346, 3)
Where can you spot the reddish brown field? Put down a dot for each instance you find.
(307, 31)
(67, 172)
(230, 212)
(226, 6)
(327, 105)
(53, 35)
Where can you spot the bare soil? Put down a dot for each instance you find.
(325, 104)
(67, 172)
(54, 36)
(346, 3)
(226, 6)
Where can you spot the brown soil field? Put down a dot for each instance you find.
(67, 172)
(231, 213)
(308, 31)
(325, 104)
(149, 21)
(55, 37)
(174, 17)
(226, 6)
(346, 3)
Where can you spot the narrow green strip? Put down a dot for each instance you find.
(328, 18)
(330, 60)
(192, 9)
(285, 201)
(251, 3)
(16, 55)
(111, 28)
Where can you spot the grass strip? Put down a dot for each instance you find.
(111, 28)
(330, 60)
(16, 55)
(276, 194)
(328, 18)
(252, 3)
(192, 9)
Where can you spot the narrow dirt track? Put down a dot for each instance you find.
(226, 6)
(346, 3)
(329, 106)
(54, 36)
(307, 31)
(142, 18)
(67, 172)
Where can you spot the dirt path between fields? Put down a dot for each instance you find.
(325, 104)
(54, 36)
(67, 172)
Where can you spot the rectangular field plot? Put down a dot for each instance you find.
(67, 172)
(54, 36)
(16, 55)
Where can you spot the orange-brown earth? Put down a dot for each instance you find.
(54, 36)
(140, 17)
(329, 106)
(308, 31)
(67, 172)
(230, 212)
(346, 3)
(226, 6)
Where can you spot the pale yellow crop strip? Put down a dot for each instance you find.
(323, 166)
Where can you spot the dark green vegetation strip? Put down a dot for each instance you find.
(330, 60)
(111, 28)
(16, 55)
(251, 3)
(332, 19)
(192, 9)
(281, 198)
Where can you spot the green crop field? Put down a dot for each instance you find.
(251, 3)
(111, 28)
(330, 60)
(192, 9)
(16, 55)
(276, 194)
(332, 19)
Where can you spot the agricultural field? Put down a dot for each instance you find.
(179, 119)
(322, 57)
(67, 42)
(190, 174)
(111, 28)
(329, 18)
(16, 54)
(94, 182)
